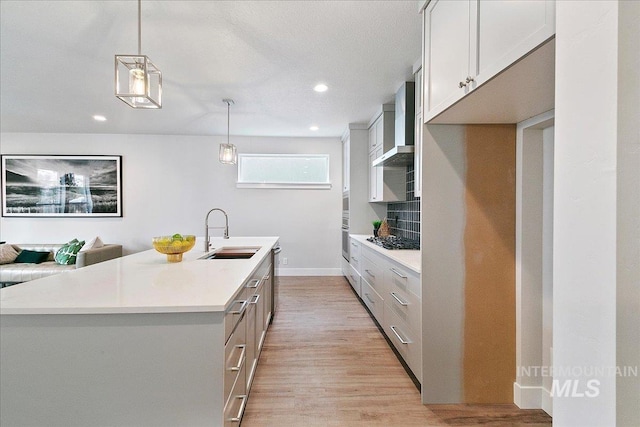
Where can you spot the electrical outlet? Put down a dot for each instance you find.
(285, 261)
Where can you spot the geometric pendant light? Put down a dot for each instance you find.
(228, 153)
(138, 80)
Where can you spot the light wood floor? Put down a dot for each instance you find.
(324, 363)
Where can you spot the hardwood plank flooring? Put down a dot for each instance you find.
(325, 363)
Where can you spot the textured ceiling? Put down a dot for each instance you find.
(57, 61)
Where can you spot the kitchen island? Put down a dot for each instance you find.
(136, 340)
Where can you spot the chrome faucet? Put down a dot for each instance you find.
(207, 241)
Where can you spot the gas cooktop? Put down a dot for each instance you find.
(393, 242)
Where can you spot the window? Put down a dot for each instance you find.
(283, 171)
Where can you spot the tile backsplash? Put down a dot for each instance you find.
(404, 217)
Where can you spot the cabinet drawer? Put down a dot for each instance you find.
(234, 314)
(399, 278)
(406, 306)
(235, 355)
(405, 340)
(354, 279)
(354, 254)
(372, 300)
(372, 269)
(235, 405)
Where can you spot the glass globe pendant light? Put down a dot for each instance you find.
(138, 80)
(228, 153)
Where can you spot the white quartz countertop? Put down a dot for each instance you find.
(409, 258)
(141, 283)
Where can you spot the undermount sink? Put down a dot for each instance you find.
(233, 252)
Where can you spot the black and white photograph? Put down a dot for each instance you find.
(61, 186)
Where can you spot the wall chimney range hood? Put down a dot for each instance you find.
(403, 151)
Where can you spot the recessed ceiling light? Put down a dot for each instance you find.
(321, 87)
(99, 118)
(314, 128)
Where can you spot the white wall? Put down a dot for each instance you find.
(169, 184)
(443, 269)
(584, 265)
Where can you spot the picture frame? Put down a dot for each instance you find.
(61, 186)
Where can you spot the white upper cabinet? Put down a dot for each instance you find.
(346, 166)
(467, 42)
(417, 161)
(386, 184)
(446, 53)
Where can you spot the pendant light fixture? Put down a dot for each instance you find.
(138, 80)
(228, 153)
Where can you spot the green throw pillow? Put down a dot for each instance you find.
(68, 253)
(31, 257)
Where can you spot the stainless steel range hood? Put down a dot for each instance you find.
(402, 153)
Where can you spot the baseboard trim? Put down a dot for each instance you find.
(309, 271)
(527, 397)
(547, 401)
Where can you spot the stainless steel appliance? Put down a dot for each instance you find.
(274, 278)
(402, 153)
(393, 242)
(345, 225)
(345, 235)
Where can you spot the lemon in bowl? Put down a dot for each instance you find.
(174, 246)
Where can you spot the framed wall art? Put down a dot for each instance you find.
(61, 186)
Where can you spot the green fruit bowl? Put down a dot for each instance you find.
(174, 246)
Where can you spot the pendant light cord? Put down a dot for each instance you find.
(228, 102)
(139, 27)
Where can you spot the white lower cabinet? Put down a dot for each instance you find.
(256, 309)
(354, 280)
(392, 292)
(373, 300)
(405, 339)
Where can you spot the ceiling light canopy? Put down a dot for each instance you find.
(314, 128)
(321, 87)
(228, 153)
(138, 80)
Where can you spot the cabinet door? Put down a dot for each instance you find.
(252, 353)
(417, 168)
(372, 137)
(417, 160)
(446, 53)
(380, 132)
(373, 178)
(507, 30)
(376, 177)
(345, 164)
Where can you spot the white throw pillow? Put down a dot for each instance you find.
(7, 254)
(94, 243)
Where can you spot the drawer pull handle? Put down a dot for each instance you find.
(354, 259)
(369, 298)
(243, 307)
(255, 282)
(398, 273)
(369, 273)
(241, 359)
(238, 416)
(402, 340)
(402, 303)
(354, 244)
(254, 299)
